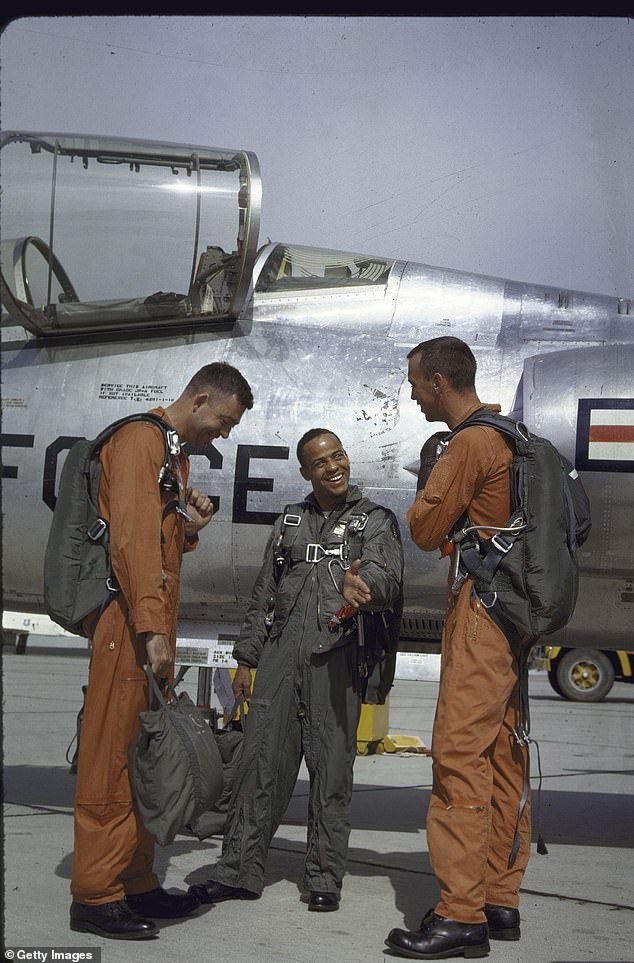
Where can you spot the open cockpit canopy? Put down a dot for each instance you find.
(102, 233)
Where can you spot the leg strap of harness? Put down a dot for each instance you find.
(522, 735)
(523, 739)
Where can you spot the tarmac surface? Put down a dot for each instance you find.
(577, 902)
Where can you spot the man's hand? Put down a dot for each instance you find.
(159, 655)
(241, 684)
(200, 509)
(355, 591)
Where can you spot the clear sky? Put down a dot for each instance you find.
(503, 146)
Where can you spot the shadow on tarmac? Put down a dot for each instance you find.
(568, 818)
(409, 874)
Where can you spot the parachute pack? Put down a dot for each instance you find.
(525, 573)
(78, 577)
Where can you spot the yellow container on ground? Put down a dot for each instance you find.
(373, 722)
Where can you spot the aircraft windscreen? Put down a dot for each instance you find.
(131, 233)
(292, 268)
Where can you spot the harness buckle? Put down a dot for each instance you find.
(183, 513)
(313, 550)
(173, 442)
(489, 599)
(357, 523)
(168, 482)
(459, 579)
(290, 519)
(458, 572)
(97, 530)
(501, 544)
(522, 737)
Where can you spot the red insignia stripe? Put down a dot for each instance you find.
(611, 433)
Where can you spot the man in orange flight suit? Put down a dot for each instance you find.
(113, 884)
(478, 766)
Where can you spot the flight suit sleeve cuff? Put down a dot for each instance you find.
(248, 658)
(149, 618)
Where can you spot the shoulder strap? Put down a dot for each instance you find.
(515, 430)
(171, 446)
(292, 517)
(289, 529)
(295, 510)
(169, 435)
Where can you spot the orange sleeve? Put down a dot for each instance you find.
(456, 480)
(131, 462)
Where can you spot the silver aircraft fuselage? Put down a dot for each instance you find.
(93, 328)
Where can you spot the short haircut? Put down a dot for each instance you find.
(449, 356)
(308, 436)
(221, 378)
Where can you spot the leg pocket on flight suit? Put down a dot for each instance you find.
(466, 632)
(132, 699)
(260, 739)
(455, 642)
(250, 804)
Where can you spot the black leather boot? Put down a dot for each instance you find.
(323, 902)
(214, 892)
(114, 921)
(504, 922)
(439, 938)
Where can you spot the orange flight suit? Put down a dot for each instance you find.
(478, 767)
(114, 853)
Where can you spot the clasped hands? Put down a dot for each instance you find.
(200, 509)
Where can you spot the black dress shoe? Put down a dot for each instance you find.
(159, 904)
(323, 902)
(504, 922)
(114, 921)
(214, 892)
(440, 937)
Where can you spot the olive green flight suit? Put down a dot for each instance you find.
(306, 697)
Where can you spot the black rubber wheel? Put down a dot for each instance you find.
(552, 678)
(585, 675)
